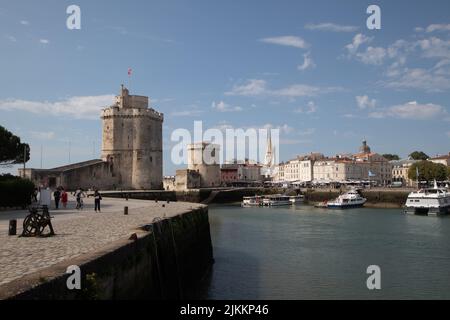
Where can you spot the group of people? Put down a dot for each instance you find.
(60, 196)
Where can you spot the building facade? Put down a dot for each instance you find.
(400, 170)
(444, 159)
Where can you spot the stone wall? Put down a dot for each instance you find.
(168, 260)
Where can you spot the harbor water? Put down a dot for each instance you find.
(302, 252)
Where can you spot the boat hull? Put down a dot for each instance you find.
(435, 211)
(345, 206)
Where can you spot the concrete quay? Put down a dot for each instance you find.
(101, 241)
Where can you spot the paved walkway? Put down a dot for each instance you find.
(77, 232)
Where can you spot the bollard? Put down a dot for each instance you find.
(12, 228)
(125, 210)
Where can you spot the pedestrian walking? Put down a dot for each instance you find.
(64, 198)
(57, 197)
(97, 199)
(79, 195)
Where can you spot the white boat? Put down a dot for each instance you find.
(350, 199)
(276, 200)
(254, 201)
(296, 199)
(428, 201)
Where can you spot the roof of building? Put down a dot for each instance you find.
(443, 157)
(77, 165)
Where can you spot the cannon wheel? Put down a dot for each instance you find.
(31, 225)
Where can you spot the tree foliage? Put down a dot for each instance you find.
(15, 191)
(418, 155)
(12, 149)
(428, 171)
(389, 156)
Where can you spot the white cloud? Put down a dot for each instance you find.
(11, 38)
(364, 102)
(310, 108)
(190, 111)
(81, 107)
(298, 90)
(252, 87)
(358, 40)
(372, 55)
(291, 41)
(412, 110)
(437, 27)
(434, 47)
(328, 26)
(24, 22)
(422, 79)
(43, 135)
(307, 62)
(303, 90)
(224, 107)
(307, 132)
(44, 41)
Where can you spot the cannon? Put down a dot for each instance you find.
(37, 222)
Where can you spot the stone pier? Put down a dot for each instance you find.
(159, 250)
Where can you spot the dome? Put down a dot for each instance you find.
(364, 148)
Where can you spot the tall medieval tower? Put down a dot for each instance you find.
(132, 141)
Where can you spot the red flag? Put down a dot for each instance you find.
(129, 71)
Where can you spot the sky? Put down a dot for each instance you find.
(311, 69)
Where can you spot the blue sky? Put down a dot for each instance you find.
(310, 68)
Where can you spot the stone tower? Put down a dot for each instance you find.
(204, 157)
(132, 141)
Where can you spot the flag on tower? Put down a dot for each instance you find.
(129, 71)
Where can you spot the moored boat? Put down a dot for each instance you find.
(253, 201)
(296, 199)
(428, 201)
(350, 199)
(276, 200)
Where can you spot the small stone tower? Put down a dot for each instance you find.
(204, 157)
(132, 142)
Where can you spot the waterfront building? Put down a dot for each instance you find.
(374, 167)
(242, 172)
(400, 169)
(444, 159)
(300, 169)
(131, 151)
(338, 170)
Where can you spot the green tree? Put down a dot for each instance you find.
(418, 155)
(428, 171)
(12, 149)
(389, 156)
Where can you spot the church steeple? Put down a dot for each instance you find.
(269, 151)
